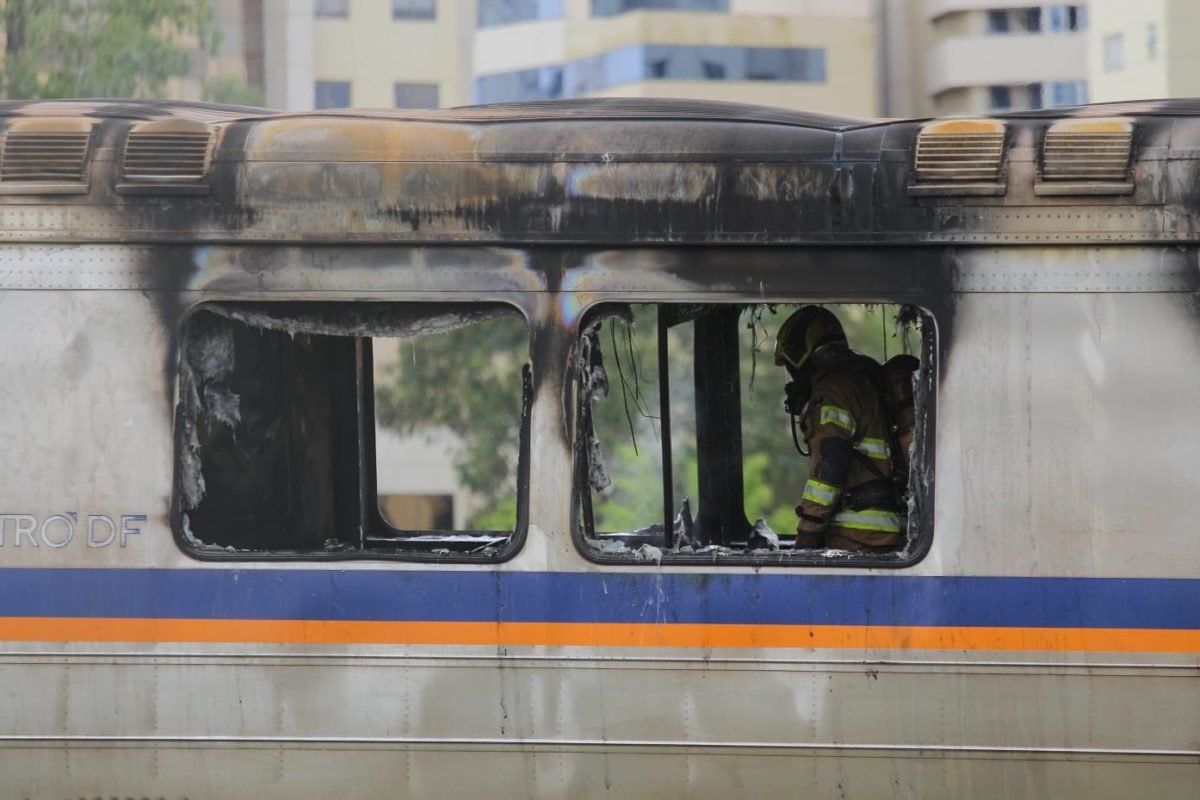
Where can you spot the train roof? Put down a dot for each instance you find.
(611, 171)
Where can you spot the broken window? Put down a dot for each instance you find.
(686, 452)
(367, 429)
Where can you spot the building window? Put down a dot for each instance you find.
(1061, 18)
(1114, 52)
(1077, 18)
(686, 455)
(1033, 20)
(654, 62)
(332, 8)
(1067, 93)
(341, 430)
(802, 64)
(415, 95)
(609, 8)
(1151, 42)
(332, 94)
(1035, 95)
(507, 12)
(999, 98)
(997, 22)
(538, 83)
(414, 9)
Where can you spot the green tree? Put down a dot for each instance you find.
(100, 48)
(232, 90)
(468, 381)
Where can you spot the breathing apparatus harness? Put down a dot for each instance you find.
(797, 394)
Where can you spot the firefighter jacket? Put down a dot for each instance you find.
(849, 498)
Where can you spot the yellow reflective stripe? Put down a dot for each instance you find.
(839, 416)
(820, 493)
(874, 448)
(869, 519)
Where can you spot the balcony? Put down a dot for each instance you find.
(1006, 60)
(940, 8)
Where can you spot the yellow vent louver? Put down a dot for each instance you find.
(1087, 157)
(959, 157)
(167, 157)
(45, 156)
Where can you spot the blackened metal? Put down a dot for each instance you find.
(722, 516)
(664, 412)
(368, 497)
(618, 171)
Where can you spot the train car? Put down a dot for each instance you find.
(211, 586)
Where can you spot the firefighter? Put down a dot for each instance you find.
(849, 501)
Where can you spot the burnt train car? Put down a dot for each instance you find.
(207, 588)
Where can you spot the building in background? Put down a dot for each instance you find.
(977, 56)
(265, 55)
(1144, 49)
(391, 53)
(815, 54)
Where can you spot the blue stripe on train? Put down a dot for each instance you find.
(462, 596)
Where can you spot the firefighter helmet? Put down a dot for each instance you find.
(803, 332)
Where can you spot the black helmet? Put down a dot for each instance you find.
(803, 332)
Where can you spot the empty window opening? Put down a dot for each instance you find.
(687, 449)
(345, 430)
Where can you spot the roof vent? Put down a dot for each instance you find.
(45, 156)
(1087, 157)
(959, 157)
(167, 157)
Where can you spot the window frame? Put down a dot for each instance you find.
(920, 528)
(371, 516)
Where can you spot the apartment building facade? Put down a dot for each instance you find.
(424, 53)
(1143, 50)
(976, 56)
(816, 54)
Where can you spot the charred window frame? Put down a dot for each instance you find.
(720, 533)
(275, 434)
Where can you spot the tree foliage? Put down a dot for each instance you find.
(232, 90)
(100, 48)
(467, 381)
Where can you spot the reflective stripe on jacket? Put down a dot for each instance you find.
(845, 426)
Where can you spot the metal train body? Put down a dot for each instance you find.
(1045, 643)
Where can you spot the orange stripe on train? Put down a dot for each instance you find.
(62, 629)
